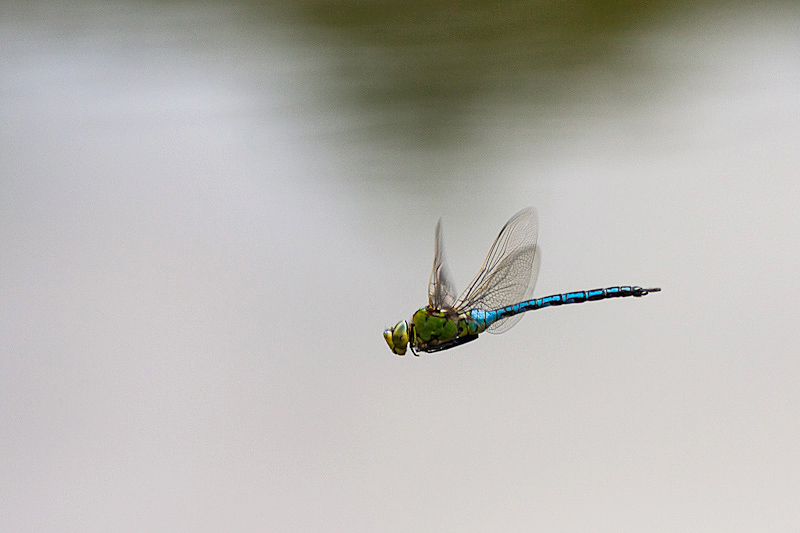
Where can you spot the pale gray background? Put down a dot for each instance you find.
(209, 214)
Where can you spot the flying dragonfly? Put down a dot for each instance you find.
(495, 300)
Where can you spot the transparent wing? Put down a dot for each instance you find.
(508, 275)
(504, 325)
(441, 293)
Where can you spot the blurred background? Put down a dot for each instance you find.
(209, 213)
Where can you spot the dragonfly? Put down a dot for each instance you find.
(495, 300)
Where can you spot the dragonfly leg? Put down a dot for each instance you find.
(452, 343)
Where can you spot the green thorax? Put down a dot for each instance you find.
(433, 327)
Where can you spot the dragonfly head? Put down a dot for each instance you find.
(397, 337)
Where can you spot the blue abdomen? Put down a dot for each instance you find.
(487, 318)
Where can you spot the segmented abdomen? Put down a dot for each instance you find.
(484, 319)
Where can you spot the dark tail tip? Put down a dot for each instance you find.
(655, 289)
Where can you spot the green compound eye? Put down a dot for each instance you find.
(397, 338)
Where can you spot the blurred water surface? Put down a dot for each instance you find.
(209, 214)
